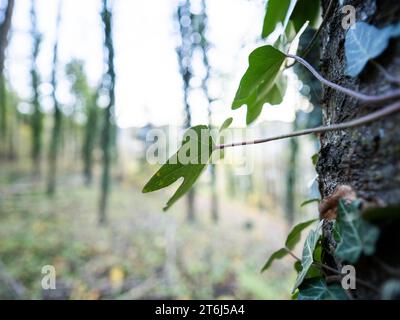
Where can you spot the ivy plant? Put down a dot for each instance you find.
(263, 83)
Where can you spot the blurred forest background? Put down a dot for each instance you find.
(81, 85)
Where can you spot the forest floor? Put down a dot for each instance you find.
(143, 253)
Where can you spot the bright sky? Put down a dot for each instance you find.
(148, 85)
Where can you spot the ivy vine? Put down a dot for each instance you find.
(264, 84)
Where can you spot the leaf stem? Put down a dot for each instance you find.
(292, 254)
(360, 96)
(381, 113)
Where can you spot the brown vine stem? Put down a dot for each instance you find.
(381, 113)
(360, 96)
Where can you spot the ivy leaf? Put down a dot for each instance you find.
(308, 254)
(317, 289)
(258, 85)
(356, 235)
(187, 163)
(306, 10)
(277, 11)
(277, 255)
(292, 239)
(286, 12)
(362, 43)
(314, 159)
(226, 124)
(306, 202)
(295, 235)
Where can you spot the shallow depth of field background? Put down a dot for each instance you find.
(143, 252)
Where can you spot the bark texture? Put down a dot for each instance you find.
(366, 158)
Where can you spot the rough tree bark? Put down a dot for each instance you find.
(366, 158)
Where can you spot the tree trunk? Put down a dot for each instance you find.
(37, 116)
(4, 33)
(108, 114)
(56, 132)
(185, 52)
(366, 158)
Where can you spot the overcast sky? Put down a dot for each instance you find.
(148, 85)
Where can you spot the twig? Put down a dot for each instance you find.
(360, 96)
(384, 112)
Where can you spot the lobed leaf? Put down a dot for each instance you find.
(195, 153)
(317, 289)
(196, 150)
(276, 12)
(356, 235)
(259, 84)
(364, 42)
(292, 239)
(308, 254)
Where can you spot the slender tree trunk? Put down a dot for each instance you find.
(4, 34)
(108, 113)
(90, 137)
(37, 116)
(365, 158)
(204, 46)
(56, 132)
(185, 52)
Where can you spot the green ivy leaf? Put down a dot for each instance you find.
(259, 84)
(226, 124)
(308, 254)
(292, 239)
(295, 235)
(356, 235)
(317, 289)
(277, 255)
(306, 10)
(277, 11)
(198, 149)
(314, 159)
(285, 11)
(187, 163)
(306, 202)
(362, 43)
